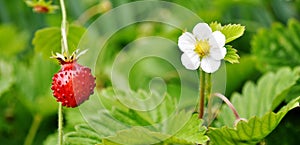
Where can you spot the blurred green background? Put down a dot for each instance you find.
(28, 110)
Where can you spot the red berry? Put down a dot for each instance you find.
(40, 9)
(73, 84)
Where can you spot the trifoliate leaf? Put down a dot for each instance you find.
(231, 55)
(232, 31)
(278, 46)
(252, 131)
(48, 40)
(265, 96)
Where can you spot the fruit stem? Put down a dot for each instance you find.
(37, 119)
(237, 117)
(60, 124)
(64, 28)
(202, 93)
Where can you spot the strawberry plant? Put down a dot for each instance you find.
(110, 72)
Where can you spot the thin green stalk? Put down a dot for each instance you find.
(65, 50)
(60, 124)
(208, 97)
(201, 93)
(37, 119)
(208, 85)
(64, 28)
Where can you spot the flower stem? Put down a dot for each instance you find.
(202, 93)
(228, 103)
(208, 97)
(208, 85)
(60, 124)
(64, 28)
(33, 129)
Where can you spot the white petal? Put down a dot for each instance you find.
(210, 65)
(217, 39)
(186, 41)
(202, 31)
(190, 63)
(218, 53)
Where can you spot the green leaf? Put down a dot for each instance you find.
(83, 134)
(252, 131)
(112, 102)
(136, 135)
(192, 133)
(278, 46)
(256, 100)
(231, 55)
(6, 76)
(232, 31)
(48, 40)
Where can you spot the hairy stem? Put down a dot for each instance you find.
(208, 97)
(60, 124)
(64, 28)
(202, 93)
(37, 119)
(228, 103)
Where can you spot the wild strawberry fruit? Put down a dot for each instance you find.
(74, 83)
(40, 9)
(41, 6)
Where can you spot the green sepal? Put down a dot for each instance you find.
(231, 55)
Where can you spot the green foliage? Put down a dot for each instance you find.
(272, 48)
(6, 76)
(278, 46)
(193, 132)
(12, 40)
(154, 126)
(111, 101)
(34, 85)
(256, 100)
(252, 131)
(83, 133)
(231, 55)
(239, 73)
(48, 40)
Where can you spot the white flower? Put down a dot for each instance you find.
(203, 48)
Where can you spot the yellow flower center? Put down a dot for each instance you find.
(202, 48)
